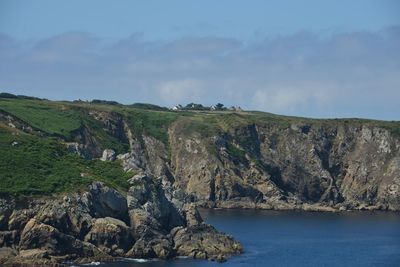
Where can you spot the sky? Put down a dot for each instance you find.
(314, 58)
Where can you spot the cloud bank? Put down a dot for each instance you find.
(354, 74)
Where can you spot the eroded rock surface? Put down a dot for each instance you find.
(299, 166)
(101, 223)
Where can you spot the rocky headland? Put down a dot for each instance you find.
(101, 224)
(53, 209)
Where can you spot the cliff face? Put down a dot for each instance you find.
(301, 166)
(234, 159)
(273, 166)
(156, 166)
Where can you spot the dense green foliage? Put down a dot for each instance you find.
(34, 165)
(44, 116)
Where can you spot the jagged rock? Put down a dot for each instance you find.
(141, 220)
(70, 215)
(108, 155)
(106, 202)
(18, 219)
(110, 235)
(192, 215)
(149, 206)
(297, 163)
(38, 235)
(54, 214)
(39, 240)
(203, 242)
(152, 246)
(78, 228)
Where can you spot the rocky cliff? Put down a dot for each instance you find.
(157, 165)
(234, 159)
(298, 165)
(101, 223)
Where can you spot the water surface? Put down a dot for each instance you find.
(288, 239)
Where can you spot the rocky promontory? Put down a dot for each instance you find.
(100, 224)
(182, 159)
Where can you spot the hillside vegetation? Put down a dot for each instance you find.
(38, 161)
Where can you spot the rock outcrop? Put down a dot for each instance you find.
(294, 164)
(108, 155)
(209, 159)
(300, 166)
(101, 223)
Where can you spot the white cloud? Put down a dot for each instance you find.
(180, 91)
(352, 74)
(288, 100)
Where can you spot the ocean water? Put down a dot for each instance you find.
(287, 239)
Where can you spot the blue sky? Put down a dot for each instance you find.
(307, 58)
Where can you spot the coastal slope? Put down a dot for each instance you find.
(218, 158)
(83, 181)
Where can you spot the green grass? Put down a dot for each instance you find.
(41, 166)
(61, 119)
(152, 123)
(54, 119)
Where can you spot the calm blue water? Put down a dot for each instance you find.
(302, 239)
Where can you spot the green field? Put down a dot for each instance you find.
(48, 117)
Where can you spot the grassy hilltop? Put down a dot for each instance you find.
(37, 162)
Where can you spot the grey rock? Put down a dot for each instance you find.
(106, 202)
(108, 155)
(203, 242)
(110, 235)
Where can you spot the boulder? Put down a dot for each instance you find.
(39, 236)
(110, 235)
(203, 242)
(152, 245)
(142, 220)
(106, 202)
(54, 214)
(108, 155)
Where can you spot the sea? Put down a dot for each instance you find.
(290, 238)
